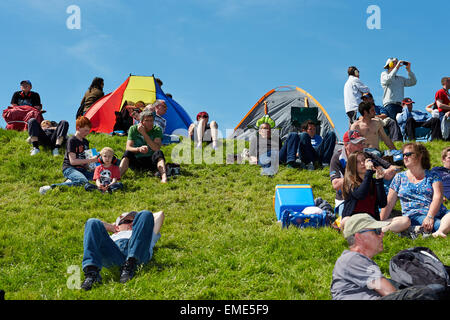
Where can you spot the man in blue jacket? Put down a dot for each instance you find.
(410, 119)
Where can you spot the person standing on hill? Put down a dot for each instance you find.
(353, 90)
(394, 85)
(94, 93)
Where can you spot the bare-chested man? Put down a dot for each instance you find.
(371, 127)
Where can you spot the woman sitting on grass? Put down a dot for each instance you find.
(365, 194)
(75, 165)
(420, 192)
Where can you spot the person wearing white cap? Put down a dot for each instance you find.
(134, 236)
(394, 85)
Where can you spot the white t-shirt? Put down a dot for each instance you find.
(126, 234)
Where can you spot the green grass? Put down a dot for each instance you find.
(220, 239)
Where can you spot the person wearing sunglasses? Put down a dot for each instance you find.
(134, 235)
(203, 130)
(420, 193)
(355, 275)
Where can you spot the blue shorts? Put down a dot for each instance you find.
(417, 220)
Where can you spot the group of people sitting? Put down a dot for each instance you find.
(364, 182)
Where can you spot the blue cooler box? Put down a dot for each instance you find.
(295, 197)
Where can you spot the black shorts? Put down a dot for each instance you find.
(144, 163)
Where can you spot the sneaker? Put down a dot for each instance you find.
(55, 152)
(92, 276)
(44, 189)
(34, 151)
(310, 166)
(127, 270)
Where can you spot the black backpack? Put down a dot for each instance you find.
(418, 266)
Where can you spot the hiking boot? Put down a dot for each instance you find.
(127, 270)
(44, 189)
(55, 152)
(92, 276)
(34, 151)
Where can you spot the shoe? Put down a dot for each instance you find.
(55, 152)
(44, 189)
(34, 151)
(127, 270)
(92, 276)
(310, 166)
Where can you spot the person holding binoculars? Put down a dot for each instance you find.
(394, 85)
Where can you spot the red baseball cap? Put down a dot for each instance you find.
(353, 136)
(202, 114)
(407, 101)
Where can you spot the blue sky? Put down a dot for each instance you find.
(219, 55)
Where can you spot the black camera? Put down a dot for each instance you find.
(405, 63)
(377, 161)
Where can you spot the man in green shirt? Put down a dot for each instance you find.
(143, 149)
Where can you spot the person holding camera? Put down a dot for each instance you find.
(394, 85)
(364, 193)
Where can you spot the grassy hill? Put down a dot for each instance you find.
(220, 239)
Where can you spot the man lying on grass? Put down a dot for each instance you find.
(134, 236)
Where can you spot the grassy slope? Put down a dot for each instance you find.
(220, 239)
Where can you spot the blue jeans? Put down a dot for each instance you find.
(288, 152)
(392, 109)
(101, 251)
(77, 177)
(322, 153)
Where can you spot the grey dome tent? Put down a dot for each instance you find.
(289, 107)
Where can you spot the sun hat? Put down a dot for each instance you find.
(361, 221)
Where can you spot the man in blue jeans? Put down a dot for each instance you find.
(308, 146)
(134, 236)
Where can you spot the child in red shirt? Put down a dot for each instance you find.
(107, 174)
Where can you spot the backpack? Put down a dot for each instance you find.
(418, 266)
(17, 117)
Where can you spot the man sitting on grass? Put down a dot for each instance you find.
(134, 236)
(371, 128)
(143, 149)
(356, 276)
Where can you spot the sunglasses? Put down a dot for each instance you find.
(377, 231)
(125, 222)
(408, 154)
(205, 117)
